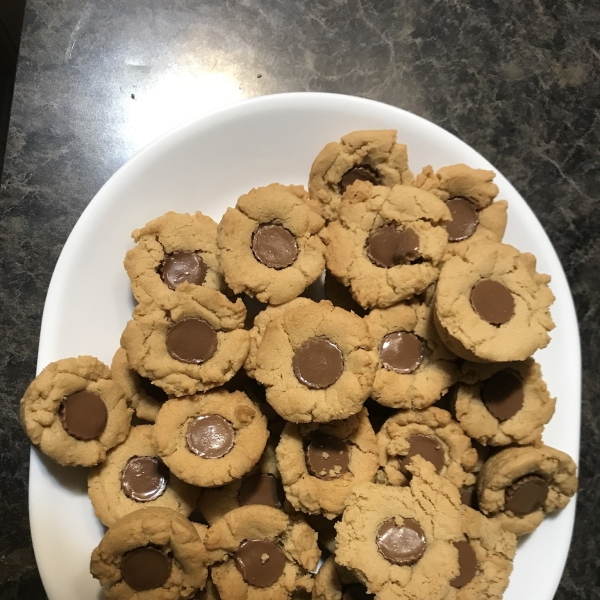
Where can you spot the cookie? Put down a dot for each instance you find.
(518, 487)
(399, 541)
(388, 244)
(150, 553)
(415, 368)
(317, 363)
(260, 325)
(142, 395)
(134, 477)
(485, 556)
(320, 465)
(337, 583)
(262, 485)
(269, 555)
(210, 439)
(372, 156)
(74, 412)
(195, 346)
(170, 250)
(469, 195)
(505, 403)
(268, 244)
(492, 306)
(432, 434)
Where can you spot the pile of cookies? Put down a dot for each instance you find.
(345, 370)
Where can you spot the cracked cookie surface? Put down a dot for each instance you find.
(210, 439)
(285, 552)
(74, 412)
(155, 550)
(320, 485)
(388, 244)
(492, 306)
(171, 249)
(317, 363)
(369, 155)
(186, 366)
(268, 244)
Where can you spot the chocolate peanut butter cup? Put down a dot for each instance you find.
(263, 488)
(427, 447)
(145, 568)
(401, 351)
(493, 302)
(526, 495)
(387, 246)
(261, 562)
(467, 563)
(274, 246)
(503, 394)
(182, 266)
(83, 415)
(210, 436)
(192, 340)
(318, 363)
(464, 219)
(144, 478)
(359, 173)
(327, 457)
(401, 545)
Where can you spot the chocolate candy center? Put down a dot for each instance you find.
(464, 219)
(274, 246)
(401, 352)
(192, 341)
(318, 363)
(359, 173)
(263, 488)
(182, 266)
(153, 390)
(83, 415)
(467, 563)
(427, 447)
(526, 495)
(260, 562)
(145, 568)
(327, 457)
(401, 545)
(355, 591)
(210, 436)
(492, 301)
(503, 394)
(144, 478)
(387, 247)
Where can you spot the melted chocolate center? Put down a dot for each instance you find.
(182, 266)
(359, 173)
(318, 363)
(503, 394)
(274, 246)
(401, 352)
(464, 219)
(401, 545)
(327, 457)
(263, 488)
(144, 478)
(427, 447)
(210, 436)
(493, 302)
(467, 563)
(145, 568)
(83, 415)
(192, 341)
(260, 562)
(387, 247)
(526, 495)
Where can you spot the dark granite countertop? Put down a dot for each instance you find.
(518, 81)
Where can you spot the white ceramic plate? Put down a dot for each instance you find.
(205, 165)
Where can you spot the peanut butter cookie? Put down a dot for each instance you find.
(372, 156)
(268, 244)
(197, 345)
(492, 306)
(320, 465)
(388, 244)
(210, 439)
(74, 412)
(317, 363)
(334, 582)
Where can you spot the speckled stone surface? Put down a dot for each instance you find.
(518, 81)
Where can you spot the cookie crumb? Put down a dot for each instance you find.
(264, 558)
(325, 455)
(323, 472)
